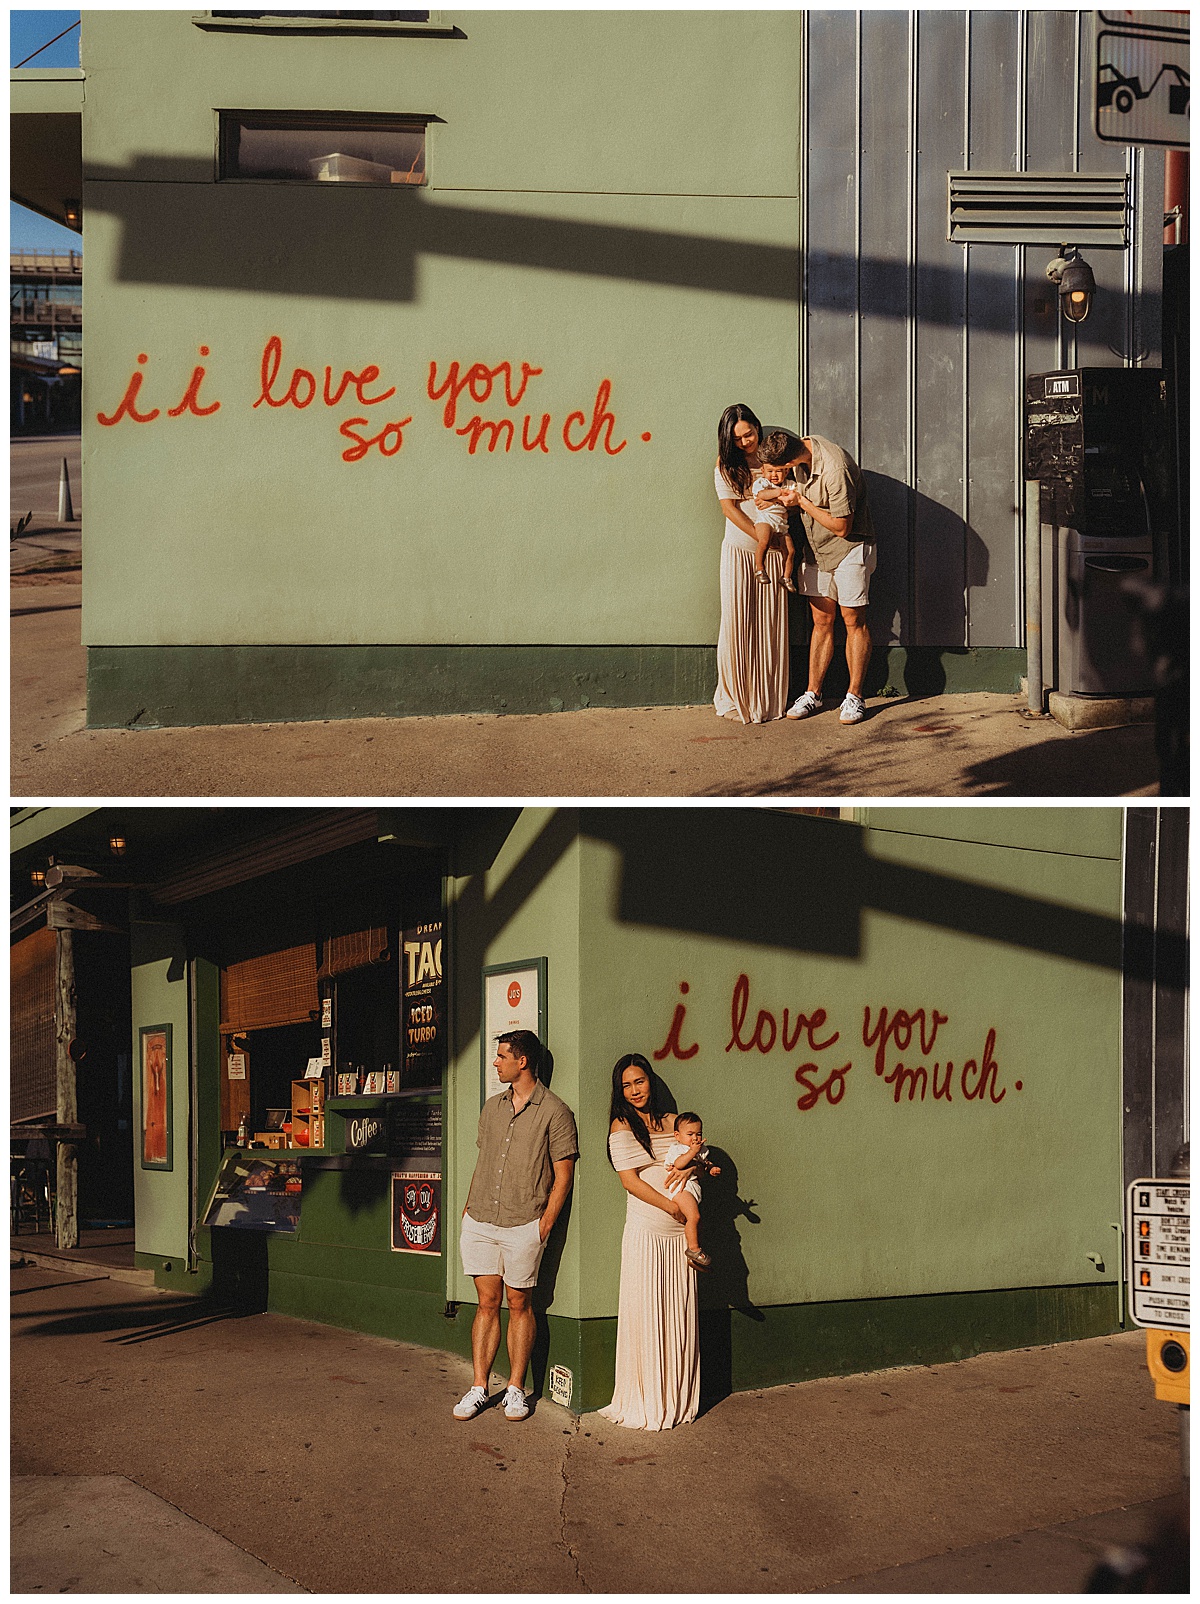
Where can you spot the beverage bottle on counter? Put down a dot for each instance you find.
(242, 1136)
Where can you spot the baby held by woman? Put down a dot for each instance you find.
(685, 1159)
(771, 521)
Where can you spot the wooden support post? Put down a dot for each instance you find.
(66, 1222)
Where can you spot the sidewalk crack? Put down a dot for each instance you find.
(562, 1508)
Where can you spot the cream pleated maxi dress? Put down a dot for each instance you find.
(658, 1348)
(752, 647)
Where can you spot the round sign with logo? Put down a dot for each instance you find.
(514, 994)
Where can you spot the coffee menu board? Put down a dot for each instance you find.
(423, 1007)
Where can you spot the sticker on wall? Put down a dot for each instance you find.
(561, 1384)
(237, 1066)
(417, 1212)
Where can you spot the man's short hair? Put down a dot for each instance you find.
(525, 1044)
(779, 447)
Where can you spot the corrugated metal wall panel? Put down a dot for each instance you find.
(1051, 76)
(939, 534)
(885, 295)
(914, 349)
(830, 200)
(993, 326)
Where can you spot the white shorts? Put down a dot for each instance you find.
(775, 519)
(850, 582)
(511, 1251)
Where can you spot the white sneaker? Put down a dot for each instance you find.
(469, 1405)
(810, 702)
(853, 710)
(516, 1405)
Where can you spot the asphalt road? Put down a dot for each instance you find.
(34, 466)
(162, 1445)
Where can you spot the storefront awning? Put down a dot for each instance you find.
(46, 143)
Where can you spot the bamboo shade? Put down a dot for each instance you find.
(34, 975)
(354, 951)
(278, 988)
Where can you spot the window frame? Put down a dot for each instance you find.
(228, 117)
(437, 27)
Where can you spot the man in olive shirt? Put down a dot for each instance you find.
(527, 1151)
(831, 494)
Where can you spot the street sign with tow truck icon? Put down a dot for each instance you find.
(1142, 89)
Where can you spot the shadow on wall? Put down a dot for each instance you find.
(747, 875)
(723, 1291)
(930, 559)
(321, 239)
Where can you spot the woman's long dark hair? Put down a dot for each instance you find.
(621, 1109)
(730, 457)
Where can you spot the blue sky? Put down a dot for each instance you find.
(28, 30)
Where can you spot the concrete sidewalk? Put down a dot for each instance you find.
(971, 745)
(164, 1445)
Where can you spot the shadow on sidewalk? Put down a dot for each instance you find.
(135, 1323)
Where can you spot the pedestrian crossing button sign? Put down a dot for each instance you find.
(1158, 1268)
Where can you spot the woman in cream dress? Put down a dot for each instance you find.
(752, 647)
(658, 1349)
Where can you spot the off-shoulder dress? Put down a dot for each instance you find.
(752, 644)
(658, 1349)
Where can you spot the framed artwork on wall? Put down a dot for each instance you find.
(155, 1057)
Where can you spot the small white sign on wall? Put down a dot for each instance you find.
(513, 999)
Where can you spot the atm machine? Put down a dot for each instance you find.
(1096, 440)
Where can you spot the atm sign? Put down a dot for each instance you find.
(1059, 385)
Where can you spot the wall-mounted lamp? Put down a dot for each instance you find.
(116, 845)
(71, 210)
(38, 876)
(1076, 283)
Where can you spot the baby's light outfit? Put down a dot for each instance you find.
(774, 515)
(677, 1150)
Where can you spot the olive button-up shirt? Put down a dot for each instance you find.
(514, 1173)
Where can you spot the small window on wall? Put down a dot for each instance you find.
(321, 148)
(329, 16)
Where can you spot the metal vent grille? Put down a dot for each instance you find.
(1038, 208)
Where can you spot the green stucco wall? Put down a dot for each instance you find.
(867, 1229)
(548, 235)
(160, 997)
(868, 1193)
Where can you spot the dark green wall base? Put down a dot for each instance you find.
(739, 1349)
(173, 1275)
(743, 1349)
(147, 687)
